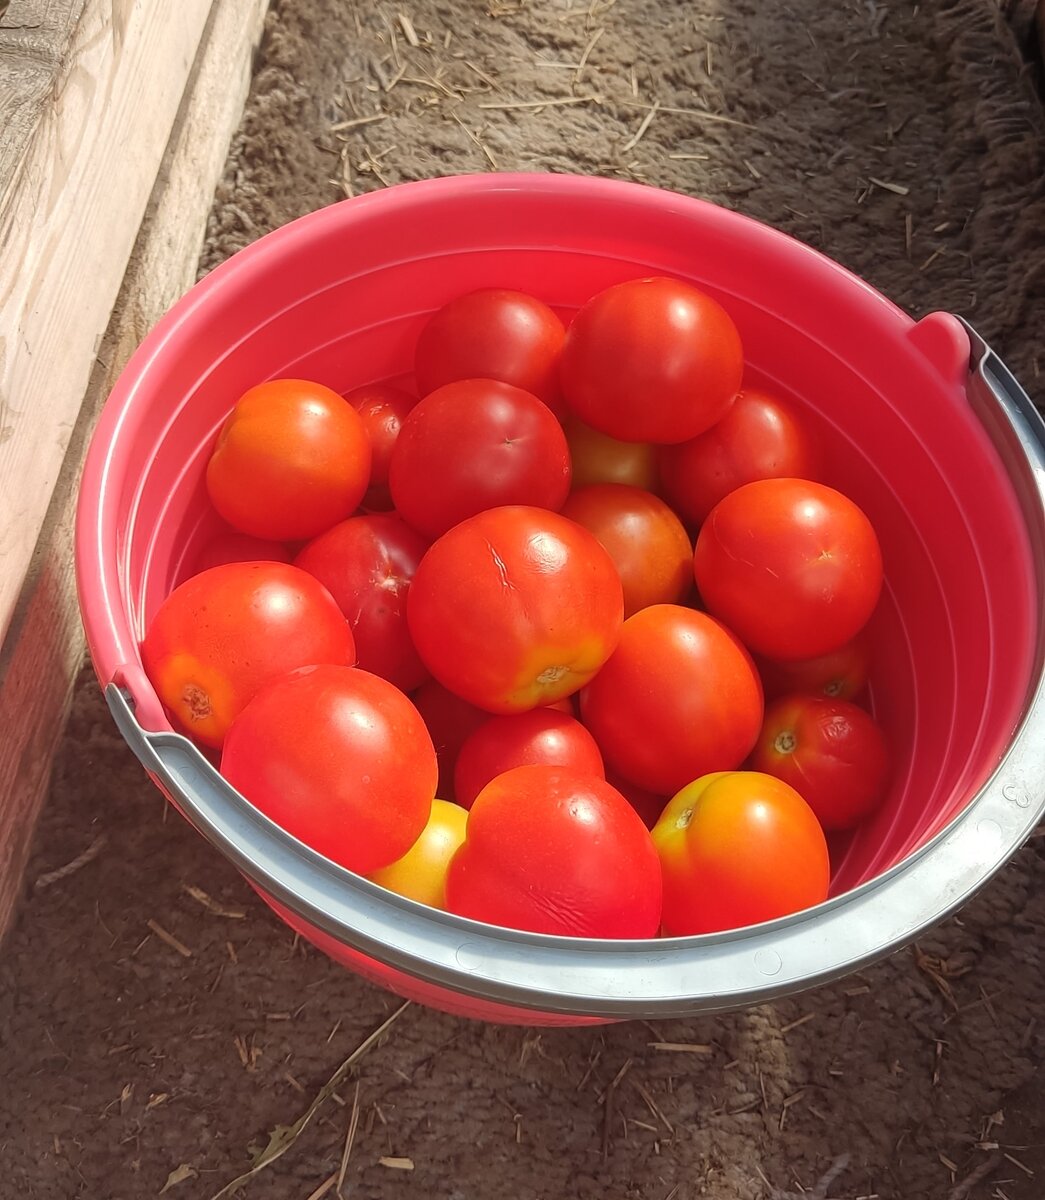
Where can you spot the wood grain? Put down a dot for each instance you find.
(44, 649)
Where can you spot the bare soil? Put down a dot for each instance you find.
(152, 1035)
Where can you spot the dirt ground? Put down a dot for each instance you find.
(905, 141)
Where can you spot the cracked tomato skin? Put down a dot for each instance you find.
(340, 759)
(515, 608)
(556, 851)
(738, 848)
(223, 634)
(828, 750)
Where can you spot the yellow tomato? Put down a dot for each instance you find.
(737, 848)
(421, 873)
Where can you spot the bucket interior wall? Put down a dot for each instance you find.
(343, 304)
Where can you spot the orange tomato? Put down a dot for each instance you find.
(738, 848)
(421, 873)
(598, 458)
(649, 547)
(292, 459)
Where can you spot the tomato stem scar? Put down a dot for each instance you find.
(197, 701)
(785, 742)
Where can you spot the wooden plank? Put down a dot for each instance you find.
(81, 168)
(40, 659)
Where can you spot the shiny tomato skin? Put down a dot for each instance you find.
(515, 608)
(597, 458)
(840, 674)
(340, 759)
(651, 360)
(647, 542)
(474, 445)
(540, 737)
(223, 634)
(738, 848)
(758, 437)
(421, 873)
(555, 851)
(792, 567)
(449, 720)
(679, 697)
(382, 408)
(493, 333)
(233, 547)
(292, 459)
(367, 564)
(830, 751)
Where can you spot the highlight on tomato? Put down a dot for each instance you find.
(515, 608)
(830, 750)
(738, 848)
(223, 634)
(793, 567)
(292, 459)
(556, 851)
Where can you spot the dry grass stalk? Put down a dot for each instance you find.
(169, 938)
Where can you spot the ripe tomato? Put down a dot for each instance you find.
(792, 567)
(515, 608)
(758, 437)
(737, 848)
(840, 674)
(383, 408)
(421, 873)
(291, 460)
(475, 445)
(597, 458)
(492, 333)
(538, 737)
(225, 633)
(367, 564)
(340, 759)
(554, 851)
(651, 360)
(649, 547)
(829, 751)
(449, 720)
(678, 698)
(238, 547)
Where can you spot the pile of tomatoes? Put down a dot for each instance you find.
(572, 643)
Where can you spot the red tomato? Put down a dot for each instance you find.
(515, 608)
(291, 460)
(738, 848)
(678, 698)
(225, 633)
(597, 458)
(476, 445)
(340, 759)
(829, 751)
(647, 804)
(649, 547)
(421, 873)
(759, 437)
(651, 360)
(383, 408)
(554, 851)
(841, 674)
(792, 567)
(450, 720)
(238, 547)
(492, 333)
(367, 564)
(540, 737)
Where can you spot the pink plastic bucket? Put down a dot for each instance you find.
(925, 429)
